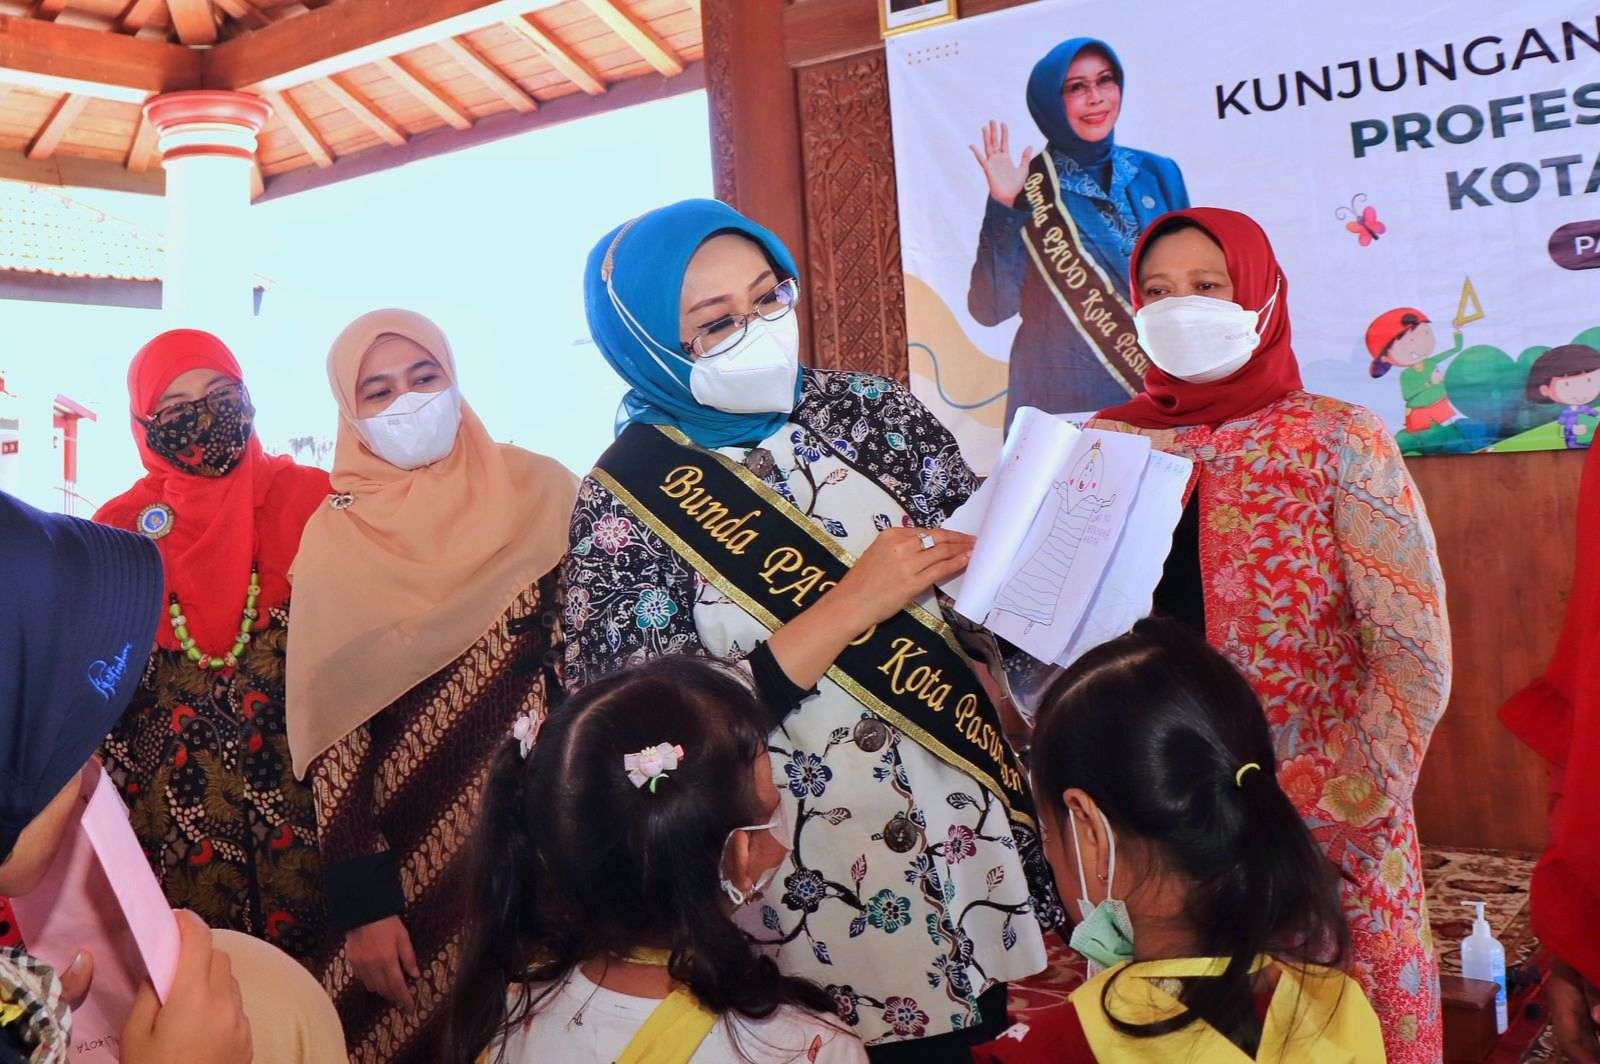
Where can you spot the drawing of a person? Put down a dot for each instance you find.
(1036, 588)
(1569, 376)
(1109, 191)
(1404, 337)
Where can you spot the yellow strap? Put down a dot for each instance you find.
(672, 1033)
(1316, 1016)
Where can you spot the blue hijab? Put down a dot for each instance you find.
(646, 259)
(1050, 113)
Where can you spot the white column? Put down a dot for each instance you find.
(208, 144)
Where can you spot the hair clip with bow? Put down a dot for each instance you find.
(652, 764)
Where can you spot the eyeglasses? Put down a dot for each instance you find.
(224, 399)
(722, 334)
(1078, 88)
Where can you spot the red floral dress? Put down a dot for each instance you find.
(1322, 584)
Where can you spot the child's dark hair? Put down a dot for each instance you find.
(1568, 360)
(1155, 727)
(572, 861)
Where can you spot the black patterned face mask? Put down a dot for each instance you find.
(206, 437)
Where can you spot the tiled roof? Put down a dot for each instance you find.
(44, 231)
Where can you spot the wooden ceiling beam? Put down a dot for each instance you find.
(245, 13)
(430, 96)
(142, 152)
(54, 58)
(48, 9)
(345, 35)
(66, 111)
(560, 56)
(364, 109)
(636, 34)
(193, 20)
(290, 114)
(136, 16)
(480, 67)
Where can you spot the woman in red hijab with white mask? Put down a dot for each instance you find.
(202, 756)
(1305, 556)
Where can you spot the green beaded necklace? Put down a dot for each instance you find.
(180, 628)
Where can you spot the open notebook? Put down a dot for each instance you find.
(1073, 528)
(100, 895)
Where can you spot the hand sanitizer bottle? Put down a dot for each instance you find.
(1482, 957)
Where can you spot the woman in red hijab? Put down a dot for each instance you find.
(1305, 556)
(201, 756)
(1558, 715)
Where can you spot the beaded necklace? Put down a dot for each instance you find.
(201, 659)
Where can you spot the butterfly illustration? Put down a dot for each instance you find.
(1363, 220)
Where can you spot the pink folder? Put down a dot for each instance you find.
(100, 895)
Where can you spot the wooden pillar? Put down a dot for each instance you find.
(755, 123)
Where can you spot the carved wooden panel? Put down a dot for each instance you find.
(854, 286)
(716, 28)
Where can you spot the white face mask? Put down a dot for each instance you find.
(1199, 338)
(754, 376)
(417, 429)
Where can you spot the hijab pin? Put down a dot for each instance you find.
(608, 264)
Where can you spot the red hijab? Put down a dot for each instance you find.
(1558, 715)
(220, 524)
(1272, 372)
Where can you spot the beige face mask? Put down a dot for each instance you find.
(767, 840)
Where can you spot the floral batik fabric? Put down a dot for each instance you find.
(202, 760)
(910, 890)
(1322, 584)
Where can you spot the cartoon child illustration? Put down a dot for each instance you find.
(1568, 375)
(1404, 337)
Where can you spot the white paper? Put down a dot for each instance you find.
(1057, 567)
(1128, 587)
(1035, 450)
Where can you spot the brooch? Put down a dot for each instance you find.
(155, 520)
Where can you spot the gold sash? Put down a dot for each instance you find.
(1091, 302)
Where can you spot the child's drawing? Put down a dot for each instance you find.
(1033, 591)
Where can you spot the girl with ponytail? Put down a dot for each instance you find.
(1210, 918)
(610, 860)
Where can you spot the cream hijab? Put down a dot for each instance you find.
(395, 586)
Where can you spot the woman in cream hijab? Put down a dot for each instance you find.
(424, 626)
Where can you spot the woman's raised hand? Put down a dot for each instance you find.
(896, 569)
(1004, 176)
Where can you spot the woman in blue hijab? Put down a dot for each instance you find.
(1109, 193)
(788, 518)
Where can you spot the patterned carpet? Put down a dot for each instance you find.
(1454, 877)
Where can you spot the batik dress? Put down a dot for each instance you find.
(397, 803)
(908, 892)
(1321, 582)
(202, 760)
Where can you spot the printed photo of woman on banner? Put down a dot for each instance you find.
(1057, 231)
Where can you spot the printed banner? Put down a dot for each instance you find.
(1429, 175)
